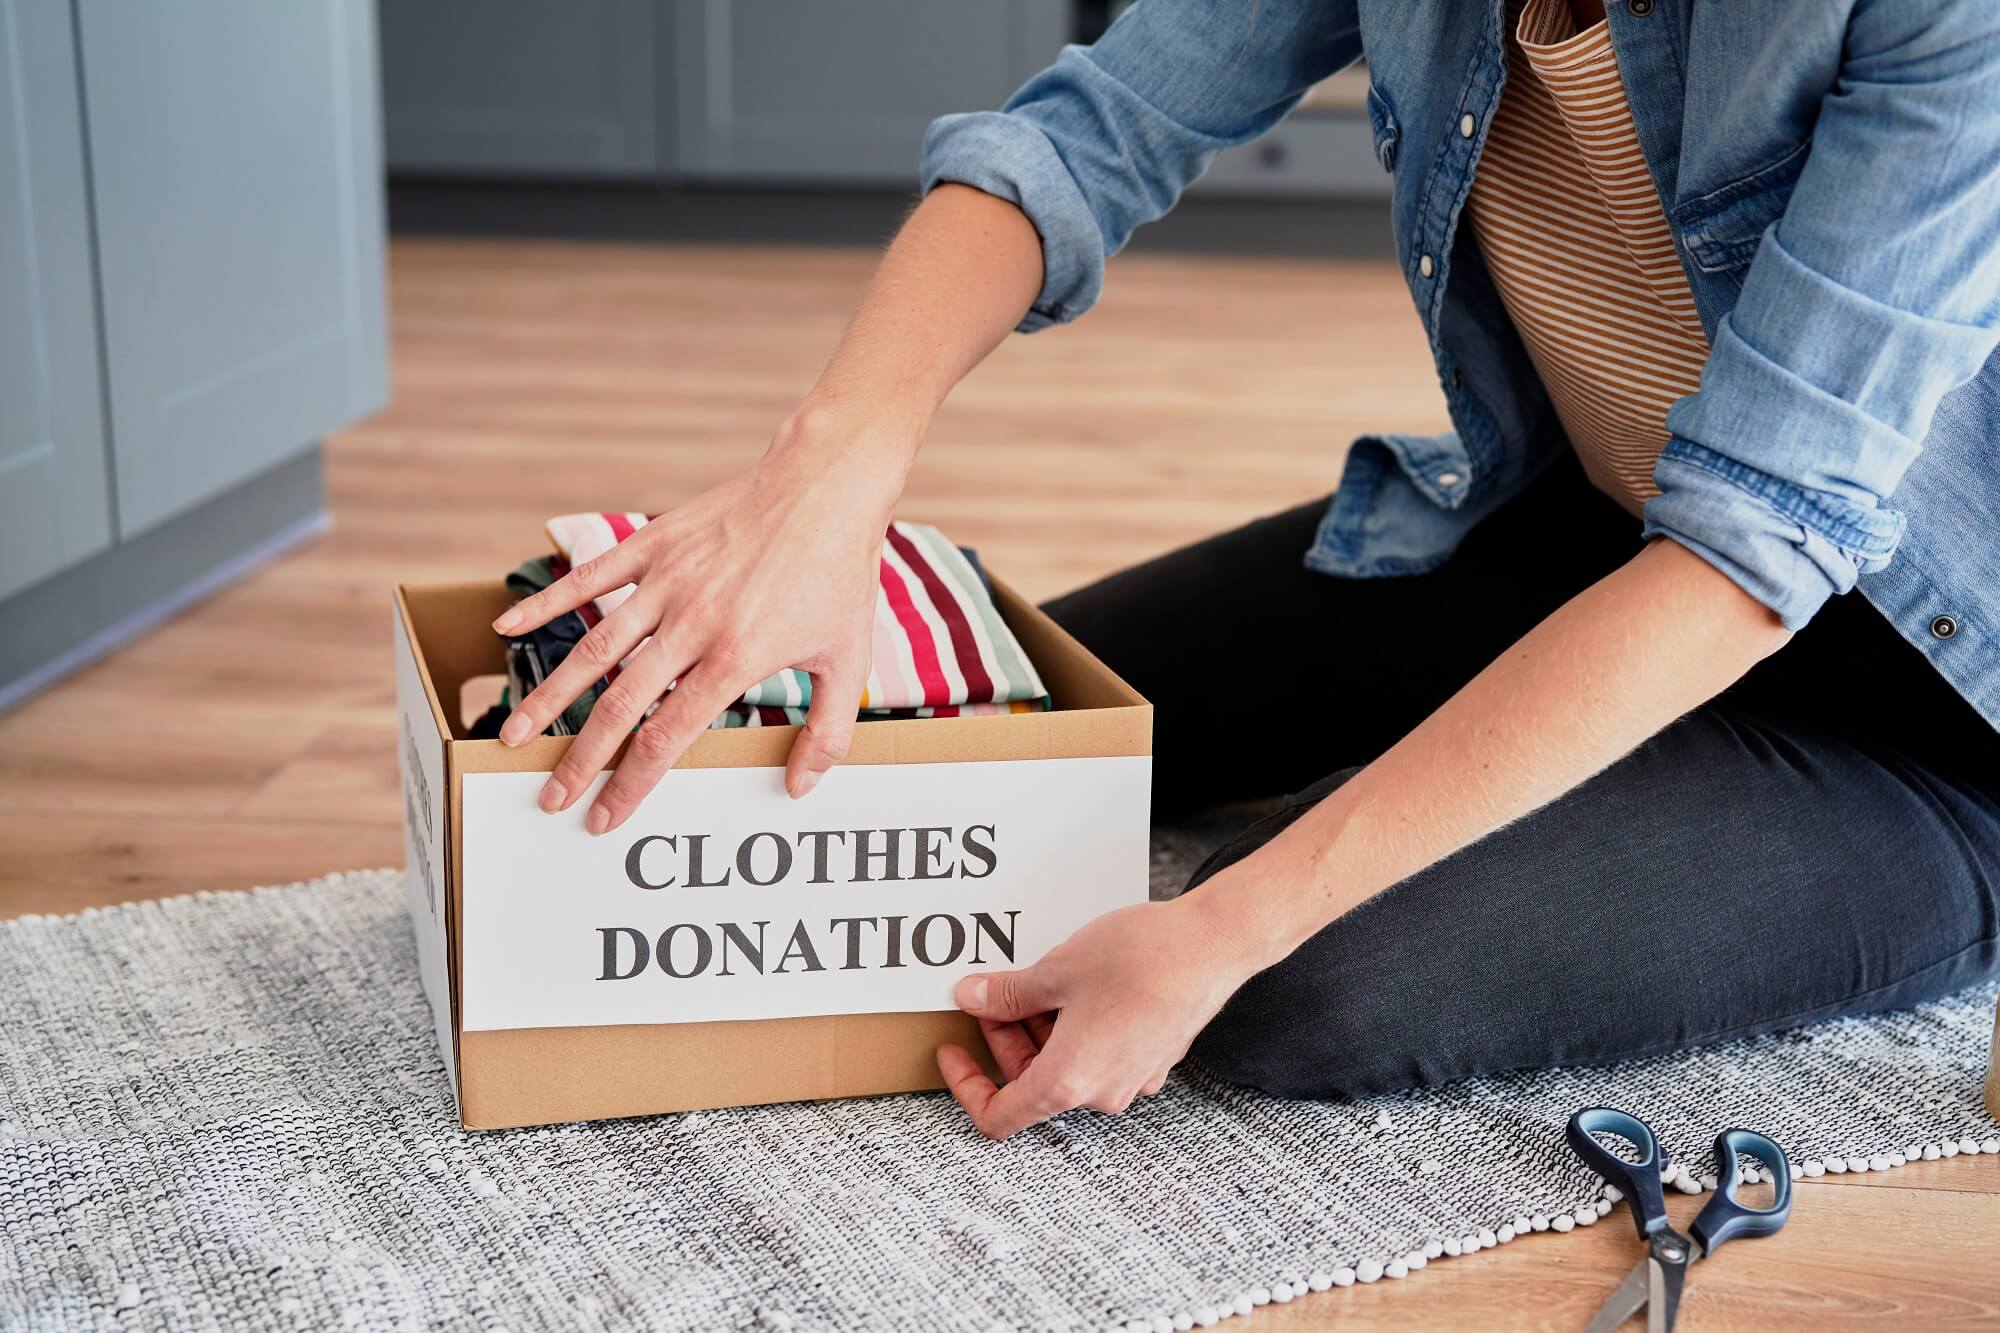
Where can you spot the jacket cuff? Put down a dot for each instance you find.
(1788, 547)
(1009, 158)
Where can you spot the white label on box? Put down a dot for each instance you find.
(420, 755)
(722, 898)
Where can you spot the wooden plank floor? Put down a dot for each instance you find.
(251, 741)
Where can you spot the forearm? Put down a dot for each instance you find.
(956, 280)
(1620, 661)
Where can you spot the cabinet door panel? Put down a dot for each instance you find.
(55, 505)
(520, 86)
(236, 160)
(801, 89)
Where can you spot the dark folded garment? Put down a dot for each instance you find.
(547, 647)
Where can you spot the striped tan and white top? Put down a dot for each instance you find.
(1568, 220)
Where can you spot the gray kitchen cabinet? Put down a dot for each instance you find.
(1304, 154)
(796, 93)
(191, 296)
(801, 90)
(235, 165)
(522, 87)
(55, 499)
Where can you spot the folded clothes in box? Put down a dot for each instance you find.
(940, 647)
(729, 944)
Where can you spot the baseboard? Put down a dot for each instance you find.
(1307, 226)
(70, 620)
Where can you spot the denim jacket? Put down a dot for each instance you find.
(1830, 170)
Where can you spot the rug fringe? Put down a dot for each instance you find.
(1375, 1268)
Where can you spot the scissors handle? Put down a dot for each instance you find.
(1638, 1181)
(1726, 1218)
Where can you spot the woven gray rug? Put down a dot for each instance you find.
(226, 1111)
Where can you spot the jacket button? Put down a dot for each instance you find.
(1466, 125)
(1447, 479)
(1943, 627)
(1640, 8)
(1426, 266)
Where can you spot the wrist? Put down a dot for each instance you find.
(888, 423)
(1230, 936)
(870, 450)
(1261, 908)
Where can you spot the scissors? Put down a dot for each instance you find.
(1655, 1281)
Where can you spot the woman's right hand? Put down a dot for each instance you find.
(774, 568)
(778, 567)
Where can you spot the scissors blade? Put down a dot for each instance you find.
(1625, 1298)
(1666, 1296)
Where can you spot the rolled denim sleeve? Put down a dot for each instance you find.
(1106, 138)
(1875, 295)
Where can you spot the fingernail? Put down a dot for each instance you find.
(516, 729)
(552, 796)
(807, 781)
(972, 993)
(508, 620)
(598, 820)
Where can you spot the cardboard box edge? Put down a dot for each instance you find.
(439, 720)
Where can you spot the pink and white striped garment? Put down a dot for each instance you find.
(940, 648)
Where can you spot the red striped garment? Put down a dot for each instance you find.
(939, 646)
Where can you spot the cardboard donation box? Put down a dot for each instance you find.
(729, 945)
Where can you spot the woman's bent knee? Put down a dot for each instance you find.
(1300, 1041)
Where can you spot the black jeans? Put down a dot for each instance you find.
(1822, 838)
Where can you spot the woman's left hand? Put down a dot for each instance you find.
(1100, 1020)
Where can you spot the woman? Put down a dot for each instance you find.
(1705, 285)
